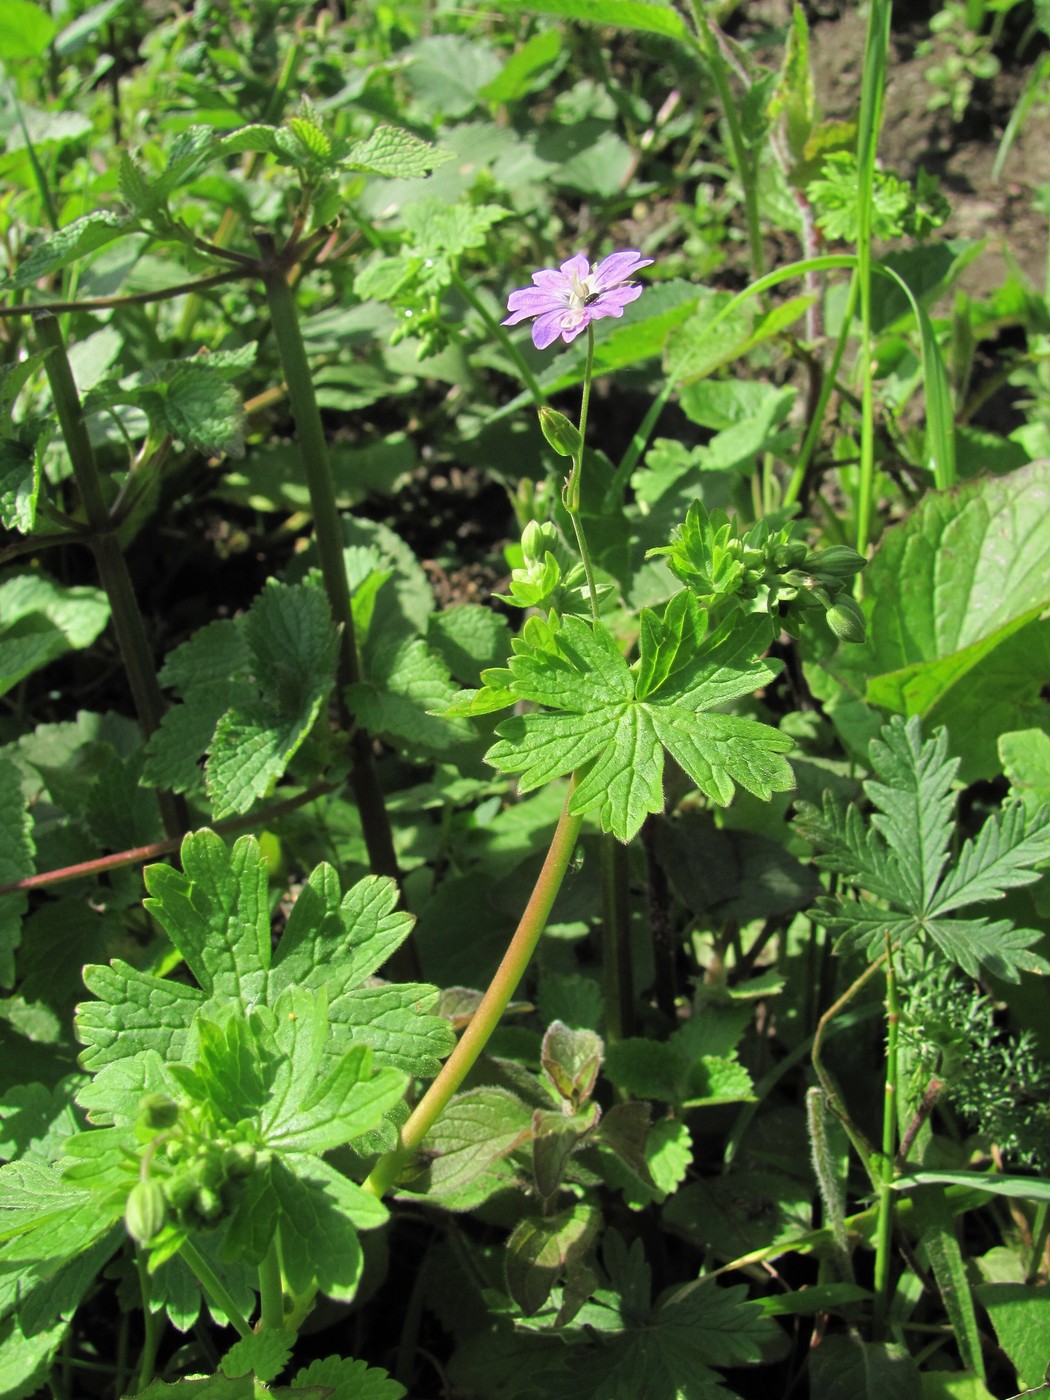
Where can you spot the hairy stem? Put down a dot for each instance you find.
(745, 167)
(313, 452)
(112, 568)
(492, 1006)
(827, 1177)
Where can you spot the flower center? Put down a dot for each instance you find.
(581, 293)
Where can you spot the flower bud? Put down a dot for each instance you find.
(846, 620)
(145, 1210)
(837, 562)
(562, 435)
(536, 540)
(157, 1112)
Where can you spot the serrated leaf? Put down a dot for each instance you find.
(41, 620)
(479, 1127)
(902, 855)
(313, 138)
(263, 1354)
(955, 593)
(64, 246)
(250, 751)
(349, 1380)
(216, 912)
(319, 1243)
(393, 152)
(203, 411)
(614, 741)
(20, 478)
(539, 1250)
(406, 696)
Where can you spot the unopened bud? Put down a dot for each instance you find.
(562, 435)
(846, 620)
(145, 1211)
(837, 562)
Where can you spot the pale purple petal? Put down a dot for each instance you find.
(617, 267)
(530, 301)
(551, 279)
(559, 299)
(612, 302)
(576, 267)
(547, 328)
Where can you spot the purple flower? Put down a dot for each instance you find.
(566, 299)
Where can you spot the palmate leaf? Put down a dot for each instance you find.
(610, 724)
(626, 1347)
(902, 858)
(216, 912)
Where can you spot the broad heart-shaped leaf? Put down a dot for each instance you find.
(252, 691)
(615, 741)
(902, 858)
(216, 912)
(948, 589)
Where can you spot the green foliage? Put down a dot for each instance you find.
(903, 857)
(300, 447)
(251, 692)
(612, 723)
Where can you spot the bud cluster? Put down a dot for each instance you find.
(765, 570)
(189, 1177)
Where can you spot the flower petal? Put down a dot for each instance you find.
(617, 267)
(530, 301)
(547, 329)
(575, 269)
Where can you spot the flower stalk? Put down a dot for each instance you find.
(491, 1008)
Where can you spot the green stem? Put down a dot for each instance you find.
(494, 328)
(112, 568)
(328, 535)
(271, 1291)
(622, 474)
(884, 1230)
(218, 1294)
(863, 1147)
(128, 299)
(745, 167)
(872, 94)
(617, 974)
(152, 1324)
(816, 422)
(571, 494)
(492, 1006)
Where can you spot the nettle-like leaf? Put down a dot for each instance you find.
(252, 691)
(64, 246)
(610, 723)
(902, 856)
(216, 912)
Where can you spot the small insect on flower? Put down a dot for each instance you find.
(565, 300)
